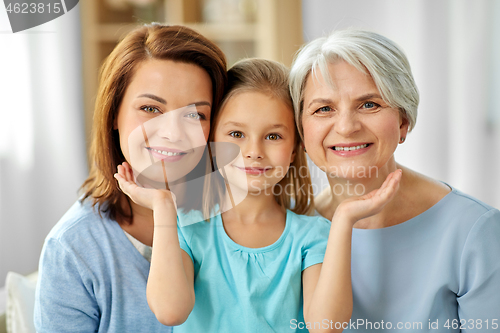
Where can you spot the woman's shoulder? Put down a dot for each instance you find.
(81, 219)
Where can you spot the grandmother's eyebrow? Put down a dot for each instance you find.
(368, 96)
(320, 101)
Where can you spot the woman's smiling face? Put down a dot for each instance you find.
(164, 118)
(348, 128)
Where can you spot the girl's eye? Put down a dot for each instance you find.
(196, 115)
(273, 136)
(236, 134)
(150, 109)
(324, 109)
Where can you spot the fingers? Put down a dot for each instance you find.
(390, 185)
(125, 177)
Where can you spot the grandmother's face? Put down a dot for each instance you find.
(348, 128)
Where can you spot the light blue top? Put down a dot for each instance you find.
(92, 279)
(241, 289)
(443, 266)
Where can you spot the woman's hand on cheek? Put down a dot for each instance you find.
(357, 208)
(146, 197)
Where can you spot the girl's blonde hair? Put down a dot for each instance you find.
(270, 78)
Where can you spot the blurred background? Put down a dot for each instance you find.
(48, 81)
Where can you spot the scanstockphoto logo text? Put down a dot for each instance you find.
(339, 189)
(26, 14)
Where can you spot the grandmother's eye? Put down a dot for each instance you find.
(324, 109)
(370, 105)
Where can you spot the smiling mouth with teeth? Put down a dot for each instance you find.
(166, 153)
(350, 148)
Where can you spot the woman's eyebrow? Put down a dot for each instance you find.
(154, 97)
(201, 103)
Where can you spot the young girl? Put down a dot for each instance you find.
(258, 266)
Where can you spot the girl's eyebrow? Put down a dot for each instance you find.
(236, 124)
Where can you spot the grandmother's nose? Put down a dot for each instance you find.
(347, 123)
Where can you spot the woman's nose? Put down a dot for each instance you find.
(170, 127)
(347, 123)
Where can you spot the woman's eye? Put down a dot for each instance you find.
(150, 109)
(236, 134)
(273, 136)
(196, 115)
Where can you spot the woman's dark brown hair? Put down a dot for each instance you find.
(152, 41)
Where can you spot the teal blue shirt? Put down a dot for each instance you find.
(241, 289)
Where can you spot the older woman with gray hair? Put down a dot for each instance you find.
(430, 260)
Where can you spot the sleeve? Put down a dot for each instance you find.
(315, 242)
(478, 301)
(63, 301)
(183, 242)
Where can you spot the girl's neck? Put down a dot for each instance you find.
(254, 208)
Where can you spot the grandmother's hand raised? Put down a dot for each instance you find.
(146, 197)
(357, 208)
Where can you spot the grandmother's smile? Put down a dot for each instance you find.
(352, 149)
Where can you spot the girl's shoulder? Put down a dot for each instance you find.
(308, 224)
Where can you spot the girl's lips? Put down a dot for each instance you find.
(253, 171)
(350, 149)
(166, 154)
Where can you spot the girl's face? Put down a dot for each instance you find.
(264, 129)
(348, 129)
(164, 119)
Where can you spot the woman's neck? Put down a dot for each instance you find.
(142, 226)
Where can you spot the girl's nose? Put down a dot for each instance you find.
(253, 150)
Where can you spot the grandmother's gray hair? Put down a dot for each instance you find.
(385, 61)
